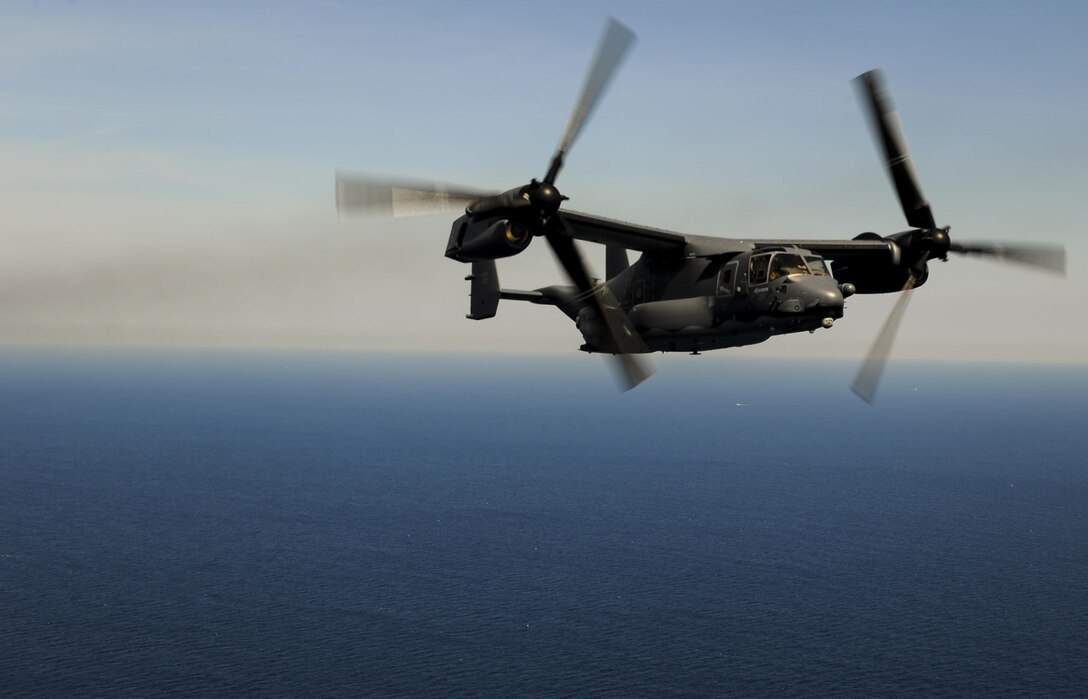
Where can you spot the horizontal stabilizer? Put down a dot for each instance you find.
(530, 296)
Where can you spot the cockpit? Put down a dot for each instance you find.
(769, 266)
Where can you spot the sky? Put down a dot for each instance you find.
(167, 169)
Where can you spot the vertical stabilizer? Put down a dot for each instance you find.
(484, 293)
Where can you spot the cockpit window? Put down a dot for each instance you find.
(785, 263)
(757, 269)
(817, 266)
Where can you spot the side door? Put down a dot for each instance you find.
(758, 300)
(728, 285)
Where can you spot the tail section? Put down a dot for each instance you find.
(484, 293)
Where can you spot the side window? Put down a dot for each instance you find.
(725, 280)
(757, 269)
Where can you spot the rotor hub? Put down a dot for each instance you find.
(545, 198)
(937, 242)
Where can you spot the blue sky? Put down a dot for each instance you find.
(167, 168)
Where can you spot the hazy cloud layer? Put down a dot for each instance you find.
(167, 183)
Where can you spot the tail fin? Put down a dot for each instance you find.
(484, 293)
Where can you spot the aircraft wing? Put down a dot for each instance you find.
(845, 253)
(866, 248)
(606, 231)
(871, 264)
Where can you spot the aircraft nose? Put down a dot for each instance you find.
(830, 297)
(824, 295)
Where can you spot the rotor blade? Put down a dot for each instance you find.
(631, 370)
(391, 197)
(615, 42)
(622, 332)
(877, 103)
(625, 338)
(868, 376)
(1047, 258)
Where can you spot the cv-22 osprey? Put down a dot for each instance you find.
(687, 293)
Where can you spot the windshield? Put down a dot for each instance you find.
(817, 266)
(785, 263)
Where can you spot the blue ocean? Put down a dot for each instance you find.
(320, 524)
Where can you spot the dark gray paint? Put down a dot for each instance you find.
(689, 292)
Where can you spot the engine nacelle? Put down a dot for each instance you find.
(879, 276)
(487, 239)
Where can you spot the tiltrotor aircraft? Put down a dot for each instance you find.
(687, 293)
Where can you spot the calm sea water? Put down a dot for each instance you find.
(367, 526)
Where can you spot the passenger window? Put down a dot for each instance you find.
(757, 269)
(725, 281)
